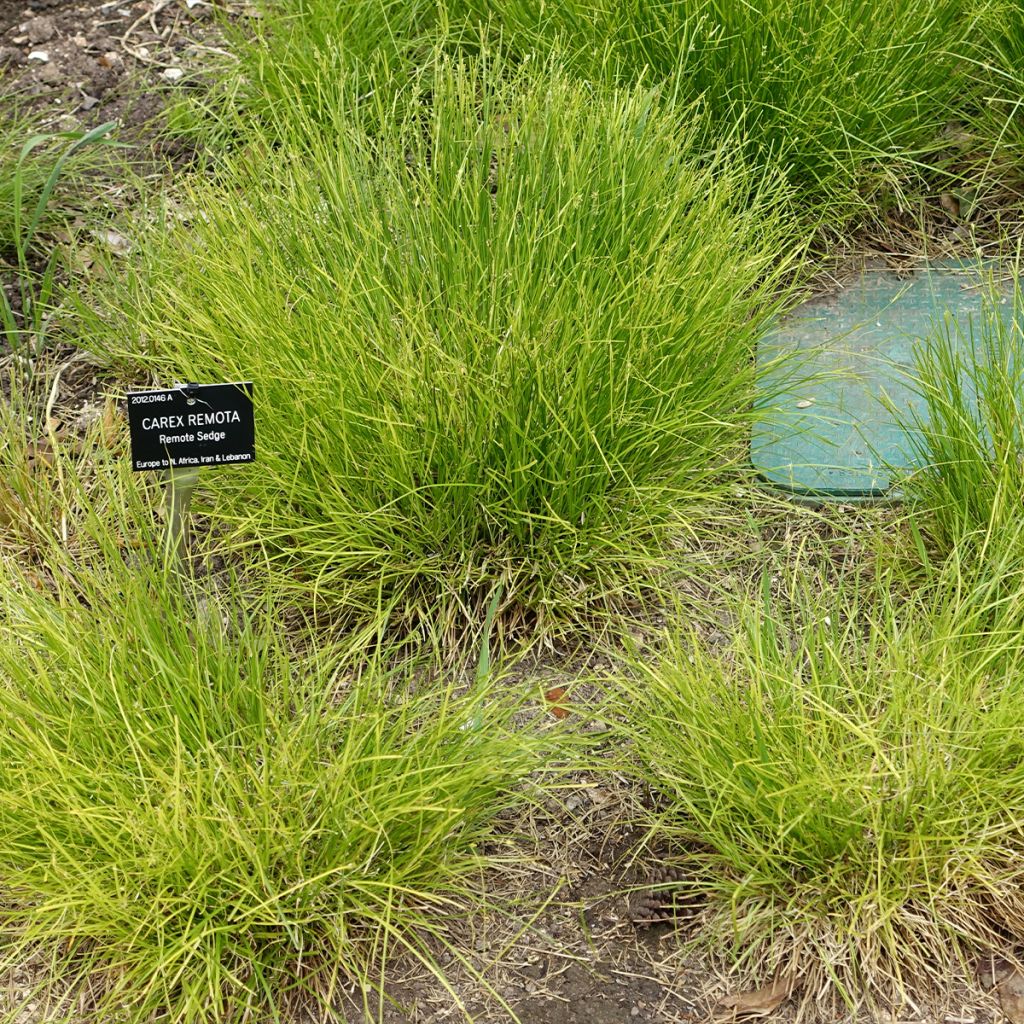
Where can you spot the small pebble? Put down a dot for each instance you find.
(50, 74)
(40, 55)
(172, 74)
(805, 403)
(41, 29)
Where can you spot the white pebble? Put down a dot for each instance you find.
(172, 74)
(40, 55)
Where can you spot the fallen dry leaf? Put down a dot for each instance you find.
(555, 697)
(950, 204)
(34, 580)
(991, 970)
(1011, 997)
(109, 424)
(11, 508)
(114, 241)
(997, 973)
(759, 1002)
(38, 454)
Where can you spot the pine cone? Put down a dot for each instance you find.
(663, 904)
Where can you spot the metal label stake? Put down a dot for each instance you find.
(181, 484)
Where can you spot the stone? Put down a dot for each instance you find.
(41, 29)
(50, 74)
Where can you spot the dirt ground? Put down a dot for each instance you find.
(87, 63)
(579, 948)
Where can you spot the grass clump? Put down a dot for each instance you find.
(844, 790)
(67, 489)
(507, 342)
(30, 167)
(199, 823)
(300, 58)
(968, 437)
(1001, 71)
(15, 130)
(819, 90)
(840, 97)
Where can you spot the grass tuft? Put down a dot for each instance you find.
(506, 342)
(969, 435)
(1001, 74)
(29, 172)
(202, 820)
(828, 94)
(843, 784)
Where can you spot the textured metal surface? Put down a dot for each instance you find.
(835, 435)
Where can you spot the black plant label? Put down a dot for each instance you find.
(192, 425)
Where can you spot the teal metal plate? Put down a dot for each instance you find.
(834, 369)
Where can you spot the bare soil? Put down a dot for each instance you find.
(82, 64)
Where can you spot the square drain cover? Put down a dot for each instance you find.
(833, 435)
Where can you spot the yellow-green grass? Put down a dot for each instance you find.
(969, 435)
(506, 340)
(842, 784)
(839, 97)
(206, 815)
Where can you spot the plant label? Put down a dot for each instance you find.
(192, 426)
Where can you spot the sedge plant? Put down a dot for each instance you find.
(506, 341)
(967, 434)
(823, 91)
(64, 489)
(207, 815)
(842, 785)
(1000, 72)
(839, 96)
(19, 173)
(302, 57)
(29, 172)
